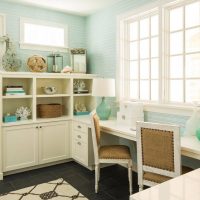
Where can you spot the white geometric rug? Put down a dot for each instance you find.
(54, 190)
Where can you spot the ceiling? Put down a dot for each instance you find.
(79, 7)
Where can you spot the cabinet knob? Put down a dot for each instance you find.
(79, 126)
(79, 136)
(36, 127)
(40, 126)
(78, 143)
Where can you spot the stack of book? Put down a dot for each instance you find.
(14, 90)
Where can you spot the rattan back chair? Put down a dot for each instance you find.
(158, 153)
(119, 154)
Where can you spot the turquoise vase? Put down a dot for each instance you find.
(198, 133)
(103, 110)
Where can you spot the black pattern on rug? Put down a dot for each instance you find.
(55, 190)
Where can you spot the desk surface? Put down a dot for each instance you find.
(190, 145)
(185, 187)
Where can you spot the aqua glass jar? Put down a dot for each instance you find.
(198, 133)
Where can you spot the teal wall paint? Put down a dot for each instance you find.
(76, 26)
(101, 37)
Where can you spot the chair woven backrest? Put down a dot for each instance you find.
(157, 148)
(97, 128)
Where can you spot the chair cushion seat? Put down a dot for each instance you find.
(157, 178)
(114, 152)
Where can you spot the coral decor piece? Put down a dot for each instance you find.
(23, 113)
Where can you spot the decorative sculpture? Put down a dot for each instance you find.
(10, 62)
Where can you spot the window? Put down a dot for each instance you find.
(143, 58)
(184, 52)
(160, 54)
(47, 36)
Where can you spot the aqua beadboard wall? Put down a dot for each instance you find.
(101, 36)
(13, 12)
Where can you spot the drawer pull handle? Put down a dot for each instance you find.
(79, 136)
(79, 126)
(78, 143)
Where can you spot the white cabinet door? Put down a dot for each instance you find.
(53, 141)
(20, 147)
(80, 151)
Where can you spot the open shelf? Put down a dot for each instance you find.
(33, 84)
(26, 83)
(62, 85)
(64, 101)
(18, 97)
(10, 106)
(87, 85)
(52, 95)
(87, 101)
(18, 122)
(82, 95)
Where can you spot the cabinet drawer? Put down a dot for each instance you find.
(80, 152)
(80, 127)
(80, 136)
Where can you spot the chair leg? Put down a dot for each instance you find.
(99, 173)
(130, 177)
(140, 188)
(96, 178)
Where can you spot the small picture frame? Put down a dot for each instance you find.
(78, 60)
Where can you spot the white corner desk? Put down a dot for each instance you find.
(190, 145)
(184, 187)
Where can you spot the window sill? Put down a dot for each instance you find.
(42, 47)
(183, 110)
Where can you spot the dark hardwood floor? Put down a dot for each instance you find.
(113, 183)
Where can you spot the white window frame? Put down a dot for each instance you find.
(24, 45)
(163, 106)
(167, 9)
(137, 18)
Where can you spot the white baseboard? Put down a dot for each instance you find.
(35, 167)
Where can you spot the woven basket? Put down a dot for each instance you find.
(49, 110)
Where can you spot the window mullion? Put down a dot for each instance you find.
(184, 50)
(164, 62)
(126, 61)
(139, 59)
(150, 58)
